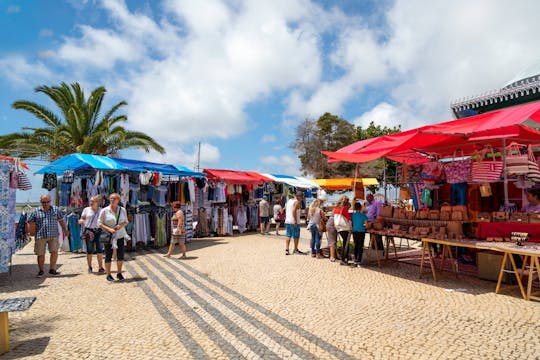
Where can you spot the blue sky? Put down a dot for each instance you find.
(237, 76)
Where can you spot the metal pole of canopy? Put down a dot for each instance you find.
(505, 177)
(384, 179)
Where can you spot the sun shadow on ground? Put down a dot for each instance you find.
(21, 350)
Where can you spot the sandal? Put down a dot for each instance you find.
(167, 255)
(182, 257)
(287, 252)
(333, 259)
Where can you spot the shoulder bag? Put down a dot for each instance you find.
(341, 222)
(106, 237)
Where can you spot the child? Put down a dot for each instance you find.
(359, 220)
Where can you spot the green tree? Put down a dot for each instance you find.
(78, 127)
(330, 133)
(375, 168)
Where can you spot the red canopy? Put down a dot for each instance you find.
(236, 177)
(519, 123)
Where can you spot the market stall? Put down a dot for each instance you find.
(13, 177)
(232, 198)
(146, 189)
(465, 176)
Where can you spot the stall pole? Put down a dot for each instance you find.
(505, 177)
(384, 179)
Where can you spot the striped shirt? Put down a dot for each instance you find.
(46, 222)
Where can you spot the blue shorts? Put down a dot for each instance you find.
(94, 247)
(292, 231)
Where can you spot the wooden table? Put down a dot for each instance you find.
(530, 252)
(389, 237)
(6, 306)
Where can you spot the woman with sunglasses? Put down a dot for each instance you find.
(113, 220)
(91, 232)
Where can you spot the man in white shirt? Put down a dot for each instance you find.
(292, 222)
(264, 215)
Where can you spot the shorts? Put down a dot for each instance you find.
(94, 247)
(178, 239)
(39, 245)
(292, 231)
(265, 220)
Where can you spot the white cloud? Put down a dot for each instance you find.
(282, 164)
(384, 114)
(13, 9)
(98, 48)
(209, 154)
(46, 54)
(46, 33)
(19, 72)
(268, 138)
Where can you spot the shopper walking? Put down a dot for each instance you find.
(315, 216)
(279, 215)
(178, 232)
(359, 220)
(112, 220)
(331, 236)
(343, 227)
(292, 222)
(91, 233)
(264, 214)
(43, 225)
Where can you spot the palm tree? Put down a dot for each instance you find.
(79, 128)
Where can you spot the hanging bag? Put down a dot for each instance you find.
(458, 171)
(432, 171)
(517, 161)
(106, 237)
(534, 170)
(341, 222)
(486, 171)
(23, 182)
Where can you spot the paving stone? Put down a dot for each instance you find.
(240, 297)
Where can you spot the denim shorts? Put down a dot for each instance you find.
(292, 231)
(94, 247)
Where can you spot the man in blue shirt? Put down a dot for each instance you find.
(43, 225)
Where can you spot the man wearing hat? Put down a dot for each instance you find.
(264, 214)
(292, 222)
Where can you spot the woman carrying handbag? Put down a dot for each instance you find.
(342, 223)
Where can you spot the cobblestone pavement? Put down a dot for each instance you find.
(242, 298)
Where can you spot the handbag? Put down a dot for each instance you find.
(517, 161)
(321, 226)
(519, 217)
(341, 223)
(486, 171)
(484, 217)
(434, 214)
(485, 190)
(499, 216)
(534, 170)
(405, 193)
(432, 171)
(23, 182)
(458, 171)
(387, 211)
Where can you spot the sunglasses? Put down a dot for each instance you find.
(45, 202)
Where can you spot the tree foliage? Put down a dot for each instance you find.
(78, 127)
(331, 133)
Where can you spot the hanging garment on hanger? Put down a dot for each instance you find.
(124, 189)
(49, 181)
(76, 200)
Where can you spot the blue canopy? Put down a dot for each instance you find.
(86, 161)
(81, 161)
